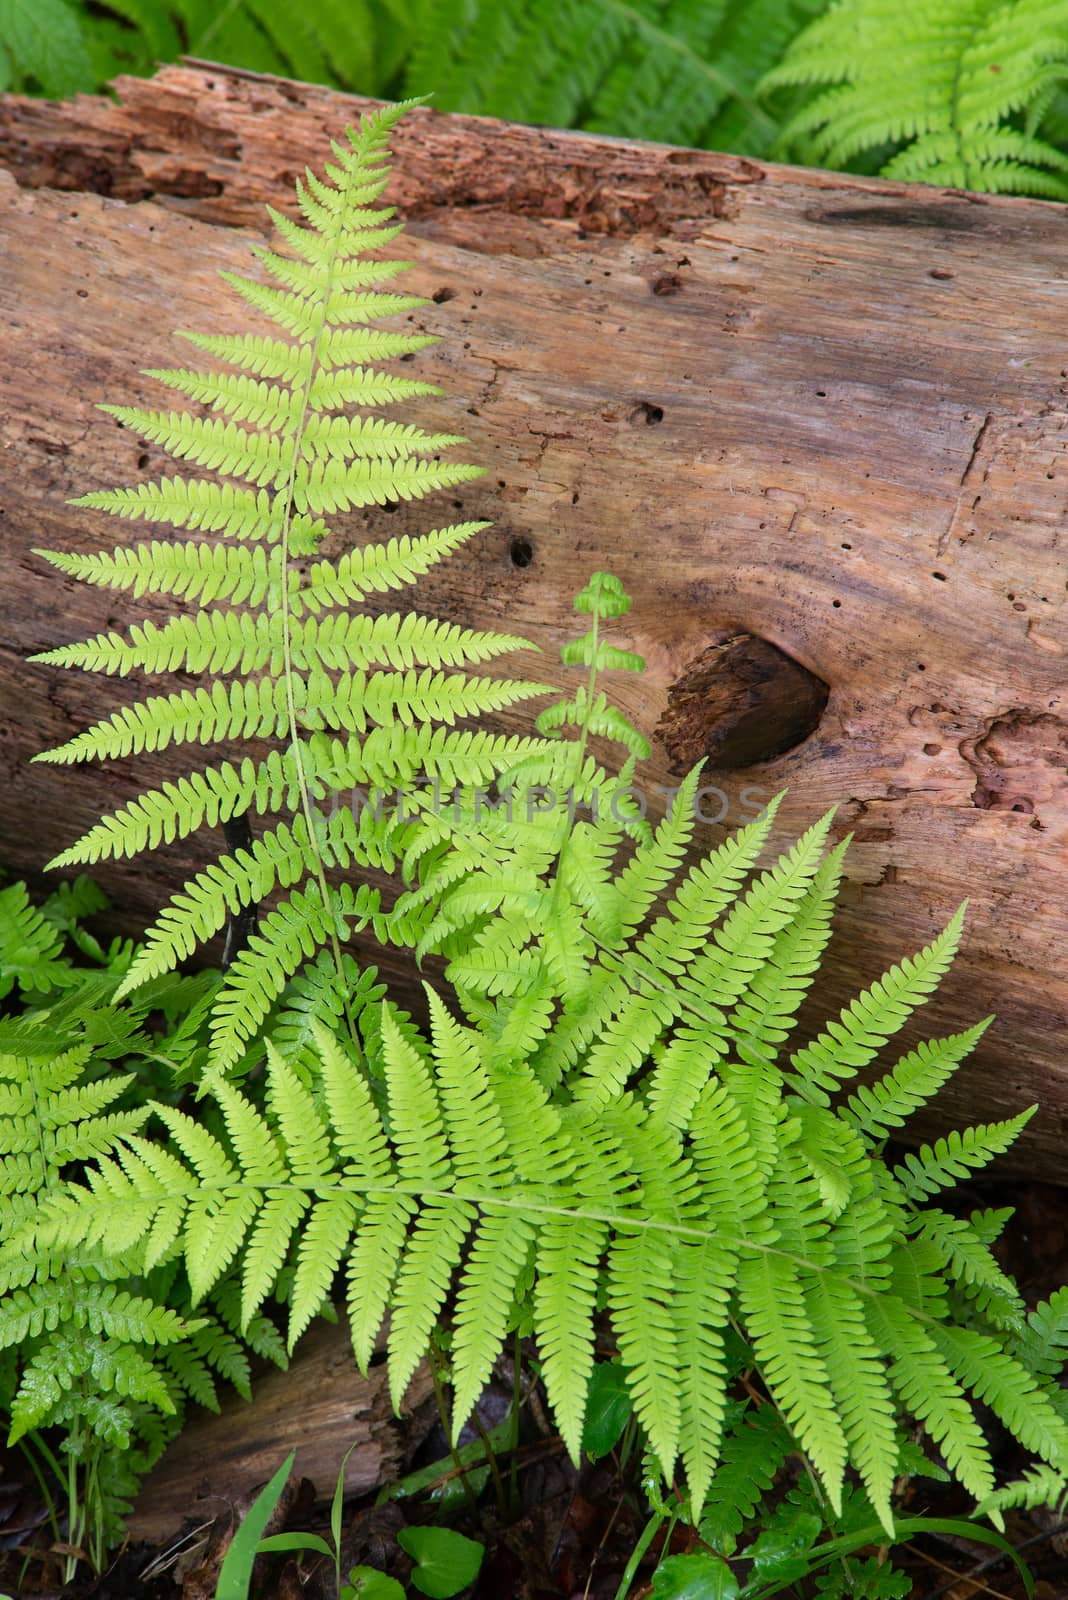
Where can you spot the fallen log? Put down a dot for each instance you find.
(321, 1407)
(816, 423)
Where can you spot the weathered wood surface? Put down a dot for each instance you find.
(321, 1407)
(790, 409)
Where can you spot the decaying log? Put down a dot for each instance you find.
(321, 1407)
(817, 425)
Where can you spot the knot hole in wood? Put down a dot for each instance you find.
(742, 701)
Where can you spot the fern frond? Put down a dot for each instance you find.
(446, 1168)
(859, 1385)
(930, 1391)
(1043, 1343)
(1041, 1486)
(1013, 1393)
(773, 1298)
(923, 1172)
(767, 1009)
(876, 1108)
(754, 1449)
(703, 1278)
(963, 72)
(973, 1266)
(280, 657)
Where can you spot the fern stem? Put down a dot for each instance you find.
(39, 1474)
(74, 1507)
(238, 834)
(517, 1400)
(285, 604)
(530, 1204)
(637, 1555)
(434, 1360)
(492, 1463)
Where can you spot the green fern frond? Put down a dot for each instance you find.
(876, 1108)
(30, 947)
(931, 1392)
(766, 1011)
(773, 1298)
(973, 1266)
(1043, 1343)
(754, 1449)
(292, 437)
(966, 74)
(868, 1021)
(859, 1386)
(1041, 1486)
(468, 1181)
(1013, 1393)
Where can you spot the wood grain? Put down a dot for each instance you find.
(320, 1408)
(824, 412)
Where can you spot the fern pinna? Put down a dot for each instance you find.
(654, 1149)
(349, 699)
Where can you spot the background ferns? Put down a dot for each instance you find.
(962, 92)
(963, 104)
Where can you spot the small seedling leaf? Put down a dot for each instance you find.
(446, 1562)
(699, 1576)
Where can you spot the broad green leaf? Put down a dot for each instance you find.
(446, 1562)
(699, 1576)
(782, 1551)
(608, 1409)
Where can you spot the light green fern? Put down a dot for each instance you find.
(949, 91)
(348, 699)
(475, 1162)
(90, 1344)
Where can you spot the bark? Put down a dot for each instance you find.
(815, 423)
(321, 1407)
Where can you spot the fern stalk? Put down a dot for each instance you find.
(351, 164)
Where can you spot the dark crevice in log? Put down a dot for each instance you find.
(741, 702)
(239, 927)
